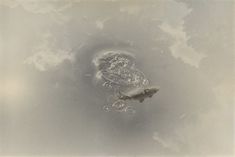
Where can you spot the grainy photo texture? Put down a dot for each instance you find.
(117, 78)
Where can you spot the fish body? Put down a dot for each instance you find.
(139, 94)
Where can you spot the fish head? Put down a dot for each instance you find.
(151, 90)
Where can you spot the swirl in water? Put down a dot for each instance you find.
(116, 71)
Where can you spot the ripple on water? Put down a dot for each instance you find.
(116, 70)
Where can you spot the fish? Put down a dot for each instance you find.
(139, 95)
